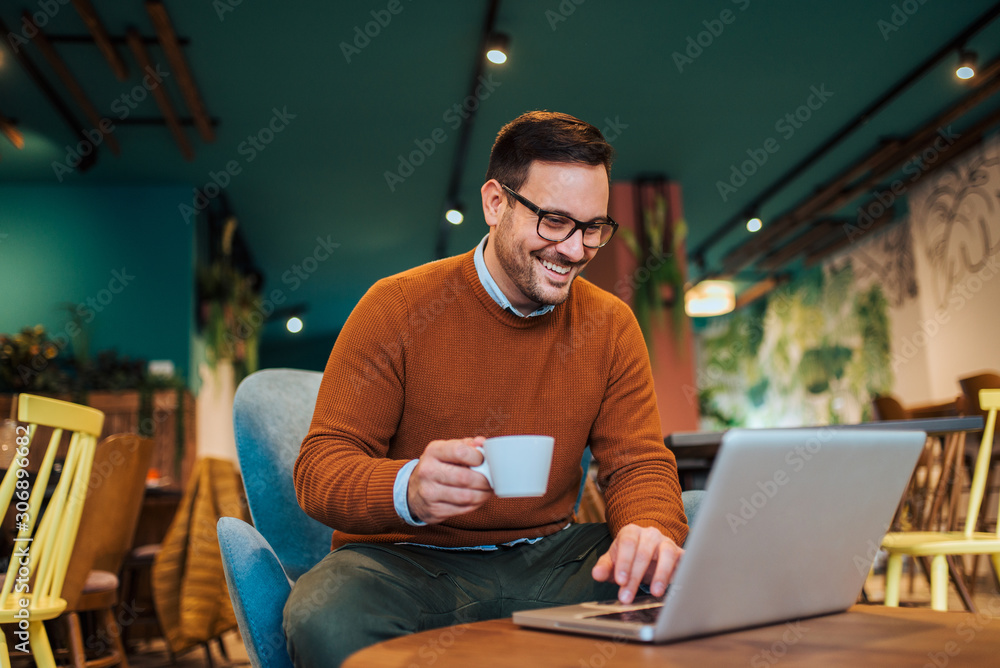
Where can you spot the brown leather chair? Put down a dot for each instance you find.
(110, 514)
(889, 408)
(987, 380)
(932, 492)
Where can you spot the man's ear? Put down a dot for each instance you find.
(494, 201)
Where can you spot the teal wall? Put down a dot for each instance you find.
(121, 255)
(279, 349)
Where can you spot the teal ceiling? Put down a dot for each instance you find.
(343, 125)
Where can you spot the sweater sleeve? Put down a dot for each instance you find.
(636, 470)
(343, 476)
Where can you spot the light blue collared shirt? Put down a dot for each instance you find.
(402, 482)
(493, 290)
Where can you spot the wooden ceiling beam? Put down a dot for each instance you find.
(63, 38)
(86, 161)
(101, 38)
(967, 140)
(840, 241)
(178, 63)
(72, 85)
(847, 236)
(800, 244)
(759, 244)
(135, 43)
(876, 166)
(185, 121)
(858, 171)
(771, 234)
(911, 147)
(12, 134)
(758, 290)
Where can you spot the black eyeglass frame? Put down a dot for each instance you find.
(541, 213)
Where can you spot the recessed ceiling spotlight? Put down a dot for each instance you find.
(754, 224)
(294, 324)
(496, 48)
(966, 65)
(454, 215)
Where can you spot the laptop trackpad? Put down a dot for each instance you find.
(642, 610)
(640, 616)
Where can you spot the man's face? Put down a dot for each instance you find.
(530, 270)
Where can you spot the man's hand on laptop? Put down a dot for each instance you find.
(442, 485)
(637, 555)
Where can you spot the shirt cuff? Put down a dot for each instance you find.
(399, 489)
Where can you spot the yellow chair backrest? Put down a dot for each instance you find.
(43, 545)
(989, 400)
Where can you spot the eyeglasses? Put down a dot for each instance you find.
(557, 227)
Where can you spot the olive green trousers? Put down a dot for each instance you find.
(362, 594)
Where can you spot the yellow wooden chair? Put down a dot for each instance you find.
(32, 586)
(941, 544)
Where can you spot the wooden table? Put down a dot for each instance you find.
(863, 636)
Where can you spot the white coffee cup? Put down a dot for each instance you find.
(517, 465)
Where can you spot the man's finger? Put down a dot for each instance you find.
(666, 563)
(440, 464)
(645, 552)
(458, 451)
(624, 556)
(462, 496)
(459, 477)
(603, 570)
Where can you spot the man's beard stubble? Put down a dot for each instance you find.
(520, 268)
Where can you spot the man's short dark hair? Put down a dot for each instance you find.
(545, 136)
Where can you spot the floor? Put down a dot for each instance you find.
(153, 654)
(916, 591)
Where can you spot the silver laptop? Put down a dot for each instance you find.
(788, 528)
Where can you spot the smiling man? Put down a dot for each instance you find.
(499, 340)
(538, 271)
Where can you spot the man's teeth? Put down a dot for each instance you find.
(555, 267)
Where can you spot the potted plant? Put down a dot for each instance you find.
(661, 283)
(229, 310)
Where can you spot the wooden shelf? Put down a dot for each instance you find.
(121, 410)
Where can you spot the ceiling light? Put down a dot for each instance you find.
(454, 215)
(496, 48)
(754, 224)
(294, 324)
(966, 65)
(709, 298)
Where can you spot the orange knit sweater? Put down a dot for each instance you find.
(427, 354)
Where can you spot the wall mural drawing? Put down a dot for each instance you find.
(959, 218)
(888, 259)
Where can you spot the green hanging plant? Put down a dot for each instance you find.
(230, 314)
(657, 269)
(821, 365)
(872, 312)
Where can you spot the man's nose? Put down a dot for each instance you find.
(572, 248)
